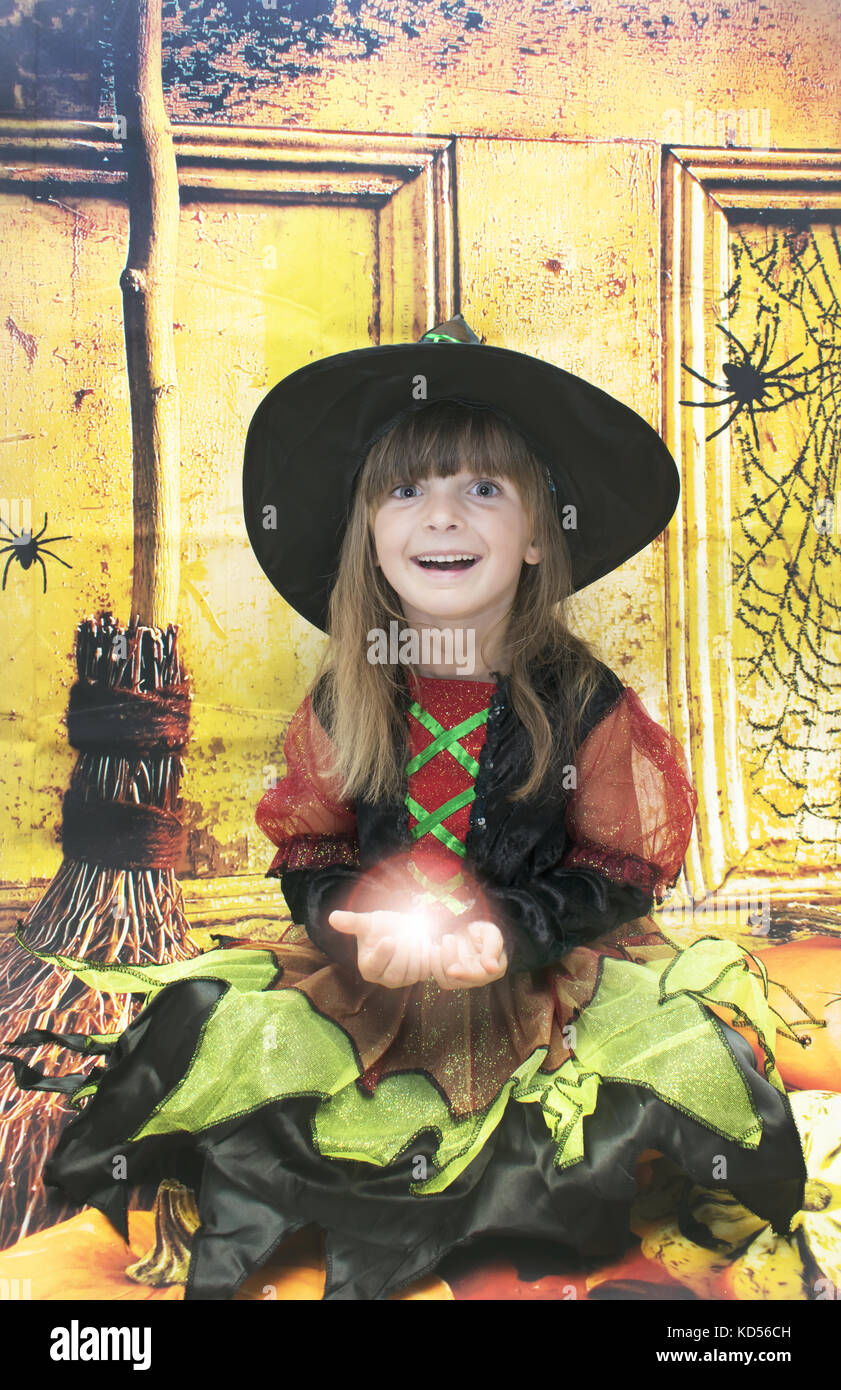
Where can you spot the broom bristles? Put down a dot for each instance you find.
(37, 995)
(104, 914)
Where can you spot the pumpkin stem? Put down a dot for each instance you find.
(176, 1222)
(818, 1195)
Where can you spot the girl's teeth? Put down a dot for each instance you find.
(457, 562)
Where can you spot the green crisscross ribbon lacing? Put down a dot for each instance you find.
(429, 822)
(444, 740)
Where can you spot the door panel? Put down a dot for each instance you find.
(752, 304)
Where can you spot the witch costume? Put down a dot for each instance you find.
(286, 1090)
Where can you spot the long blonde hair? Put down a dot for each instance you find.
(361, 700)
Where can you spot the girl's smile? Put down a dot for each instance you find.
(445, 561)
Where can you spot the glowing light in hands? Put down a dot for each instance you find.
(417, 924)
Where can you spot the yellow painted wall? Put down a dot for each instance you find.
(249, 309)
(558, 115)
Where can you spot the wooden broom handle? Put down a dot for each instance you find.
(148, 287)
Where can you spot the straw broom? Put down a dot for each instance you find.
(115, 896)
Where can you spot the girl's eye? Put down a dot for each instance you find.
(408, 490)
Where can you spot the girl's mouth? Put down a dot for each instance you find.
(444, 564)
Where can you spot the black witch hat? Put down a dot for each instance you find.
(309, 438)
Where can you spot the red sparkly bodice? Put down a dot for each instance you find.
(438, 851)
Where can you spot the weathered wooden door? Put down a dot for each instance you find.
(615, 260)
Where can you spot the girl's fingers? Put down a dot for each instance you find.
(405, 966)
(478, 969)
(468, 974)
(442, 958)
(469, 964)
(345, 921)
(377, 960)
(420, 962)
(476, 931)
(487, 939)
(436, 965)
(399, 972)
(489, 945)
(424, 960)
(383, 952)
(456, 962)
(457, 959)
(450, 953)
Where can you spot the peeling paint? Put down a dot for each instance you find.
(25, 340)
(296, 63)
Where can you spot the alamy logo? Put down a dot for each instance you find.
(75, 1343)
(432, 647)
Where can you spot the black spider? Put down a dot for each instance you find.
(748, 383)
(26, 549)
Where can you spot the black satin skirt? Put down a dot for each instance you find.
(258, 1178)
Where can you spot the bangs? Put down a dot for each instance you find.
(443, 438)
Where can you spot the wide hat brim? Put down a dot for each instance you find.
(310, 435)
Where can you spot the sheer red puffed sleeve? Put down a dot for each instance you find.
(305, 814)
(631, 814)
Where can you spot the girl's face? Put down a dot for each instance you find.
(468, 515)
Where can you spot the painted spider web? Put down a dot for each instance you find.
(784, 305)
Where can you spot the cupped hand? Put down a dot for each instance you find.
(387, 951)
(390, 953)
(469, 957)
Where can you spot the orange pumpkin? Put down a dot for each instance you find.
(497, 1281)
(812, 971)
(85, 1258)
(636, 1268)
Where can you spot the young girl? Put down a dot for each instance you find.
(472, 1027)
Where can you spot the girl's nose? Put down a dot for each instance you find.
(442, 511)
